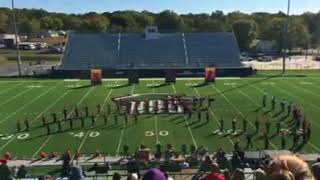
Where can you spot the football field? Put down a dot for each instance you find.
(234, 97)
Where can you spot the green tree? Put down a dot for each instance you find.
(72, 23)
(245, 32)
(29, 26)
(57, 24)
(3, 22)
(299, 35)
(46, 22)
(169, 20)
(125, 20)
(96, 23)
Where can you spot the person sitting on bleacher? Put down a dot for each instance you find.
(215, 173)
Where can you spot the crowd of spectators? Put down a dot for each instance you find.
(219, 166)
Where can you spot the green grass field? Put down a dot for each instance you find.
(234, 98)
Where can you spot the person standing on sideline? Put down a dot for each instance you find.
(105, 118)
(234, 125)
(207, 117)
(273, 102)
(86, 110)
(18, 126)
(221, 122)
(54, 117)
(199, 116)
(93, 119)
(59, 125)
(44, 120)
(48, 129)
(71, 123)
(257, 124)
(282, 105)
(249, 141)
(76, 111)
(264, 99)
(98, 108)
(245, 124)
(26, 123)
(64, 111)
(268, 124)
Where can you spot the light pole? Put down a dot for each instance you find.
(285, 39)
(16, 37)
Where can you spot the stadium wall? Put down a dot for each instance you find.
(151, 73)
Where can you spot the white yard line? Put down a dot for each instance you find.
(187, 124)
(215, 117)
(123, 128)
(30, 102)
(174, 88)
(285, 92)
(50, 136)
(21, 93)
(234, 107)
(155, 120)
(85, 137)
(8, 89)
(3, 146)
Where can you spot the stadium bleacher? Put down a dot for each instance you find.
(132, 50)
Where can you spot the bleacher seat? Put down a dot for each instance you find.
(132, 50)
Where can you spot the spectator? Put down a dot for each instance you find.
(238, 174)
(116, 176)
(206, 164)
(133, 176)
(22, 172)
(289, 167)
(215, 173)
(316, 169)
(5, 173)
(154, 174)
(227, 174)
(76, 173)
(236, 161)
(260, 174)
(66, 158)
(221, 158)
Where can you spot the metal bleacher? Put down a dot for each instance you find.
(131, 50)
(86, 50)
(219, 49)
(166, 50)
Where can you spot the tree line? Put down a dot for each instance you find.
(303, 30)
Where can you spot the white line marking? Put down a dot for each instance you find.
(27, 104)
(155, 120)
(174, 88)
(104, 103)
(189, 129)
(3, 146)
(8, 89)
(50, 136)
(311, 144)
(122, 130)
(234, 107)
(23, 92)
(215, 117)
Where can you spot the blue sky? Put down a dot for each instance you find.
(180, 6)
